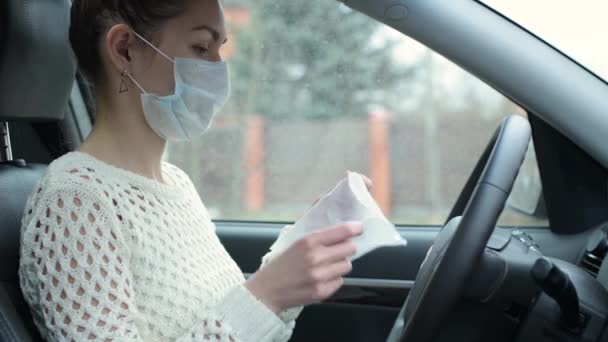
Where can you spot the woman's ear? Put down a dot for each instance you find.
(119, 41)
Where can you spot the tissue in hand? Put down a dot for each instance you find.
(348, 201)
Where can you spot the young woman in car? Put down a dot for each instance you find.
(117, 244)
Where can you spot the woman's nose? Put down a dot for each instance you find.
(215, 56)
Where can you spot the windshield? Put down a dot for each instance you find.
(577, 28)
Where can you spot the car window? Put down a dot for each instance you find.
(312, 99)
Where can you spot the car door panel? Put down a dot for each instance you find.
(344, 322)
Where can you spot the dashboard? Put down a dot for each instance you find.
(519, 294)
(572, 302)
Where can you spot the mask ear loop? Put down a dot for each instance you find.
(136, 83)
(155, 49)
(123, 83)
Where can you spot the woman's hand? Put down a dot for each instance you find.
(309, 271)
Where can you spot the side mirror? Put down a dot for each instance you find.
(531, 205)
(527, 194)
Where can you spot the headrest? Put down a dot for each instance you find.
(37, 67)
(17, 181)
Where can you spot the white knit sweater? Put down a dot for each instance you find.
(110, 255)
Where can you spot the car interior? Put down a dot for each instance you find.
(468, 280)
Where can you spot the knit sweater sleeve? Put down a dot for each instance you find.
(75, 275)
(290, 315)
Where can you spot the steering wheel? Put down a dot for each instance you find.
(459, 246)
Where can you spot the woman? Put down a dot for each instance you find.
(116, 243)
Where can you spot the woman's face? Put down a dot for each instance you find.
(198, 34)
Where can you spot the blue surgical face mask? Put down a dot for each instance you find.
(201, 89)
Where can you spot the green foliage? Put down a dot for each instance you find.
(312, 59)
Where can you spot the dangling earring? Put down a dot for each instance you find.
(123, 81)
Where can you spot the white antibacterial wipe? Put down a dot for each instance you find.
(348, 201)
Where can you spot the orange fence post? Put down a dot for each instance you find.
(380, 159)
(254, 163)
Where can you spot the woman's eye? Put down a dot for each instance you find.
(200, 50)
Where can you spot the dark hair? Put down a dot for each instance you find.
(90, 19)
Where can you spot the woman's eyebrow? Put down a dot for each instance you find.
(214, 33)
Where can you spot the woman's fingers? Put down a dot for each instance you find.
(322, 291)
(368, 182)
(331, 271)
(335, 234)
(339, 251)
(309, 271)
